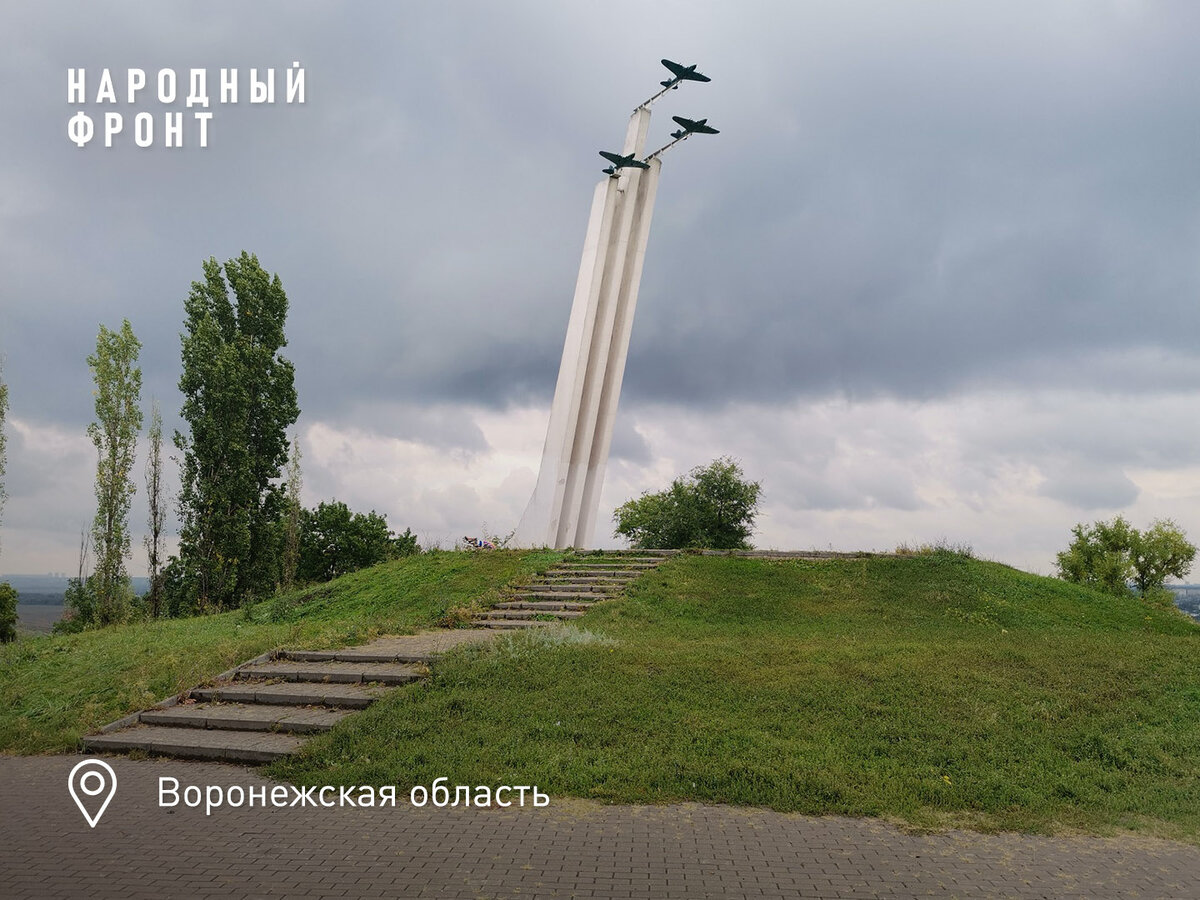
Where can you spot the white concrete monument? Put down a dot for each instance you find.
(562, 511)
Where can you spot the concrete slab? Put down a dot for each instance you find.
(545, 595)
(581, 587)
(198, 743)
(295, 693)
(545, 605)
(427, 643)
(243, 717)
(339, 672)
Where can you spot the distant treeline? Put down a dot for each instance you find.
(37, 599)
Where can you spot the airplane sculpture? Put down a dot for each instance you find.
(621, 162)
(692, 126)
(681, 73)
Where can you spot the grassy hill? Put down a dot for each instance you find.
(936, 690)
(55, 689)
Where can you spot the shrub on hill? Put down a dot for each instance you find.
(335, 541)
(1112, 555)
(8, 612)
(712, 506)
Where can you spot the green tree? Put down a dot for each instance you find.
(115, 432)
(334, 541)
(239, 400)
(8, 612)
(293, 513)
(712, 506)
(80, 596)
(1111, 555)
(1160, 553)
(156, 510)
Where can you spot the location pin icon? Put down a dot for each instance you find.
(90, 779)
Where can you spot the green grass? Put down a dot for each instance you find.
(53, 689)
(930, 689)
(934, 690)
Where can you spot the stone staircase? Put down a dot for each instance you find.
(568, 588)
(266, 708)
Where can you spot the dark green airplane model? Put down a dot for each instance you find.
(692, 126)
(621, 162)
(681, 73)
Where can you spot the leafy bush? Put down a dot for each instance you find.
(713, 506)
(1111, 555)
(938, 547)
(87, 607)
(335, 541)
(8, 612)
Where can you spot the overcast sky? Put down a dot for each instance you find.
(937, 278)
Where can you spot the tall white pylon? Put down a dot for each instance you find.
(562, 511)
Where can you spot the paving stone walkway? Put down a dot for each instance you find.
(571, 849)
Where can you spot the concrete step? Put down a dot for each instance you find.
(497, 613)
(354, 654)
(601, 576)
(340, 672)
(593, 576)
(198, 743)
(619, 560)
(623, 561)
(508, 623)
(609, 561)
(544, 605)
(606, 567)
(550, 595)
(294, 693)
(627, 553)
(581, 587)
(241, 717)
(608, 574)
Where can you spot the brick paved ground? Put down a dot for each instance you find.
(571, 849)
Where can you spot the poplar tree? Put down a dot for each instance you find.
(115, 432)
(156, 510)
(291, 518)
(239, 400)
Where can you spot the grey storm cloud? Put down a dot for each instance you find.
(899, 203)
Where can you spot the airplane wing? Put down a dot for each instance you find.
(675, 68)
(684, 73)
(688, 124)
(612, 157)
